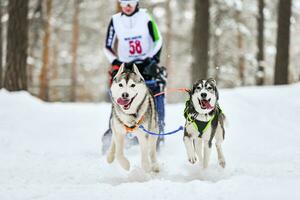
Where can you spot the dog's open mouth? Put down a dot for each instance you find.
(205, 104)
(126, 103)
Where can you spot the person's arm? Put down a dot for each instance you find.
(157, 39)
(109, 44)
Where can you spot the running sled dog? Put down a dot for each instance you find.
(204, 123)
(132, 105)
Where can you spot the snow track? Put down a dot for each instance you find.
(52, 151)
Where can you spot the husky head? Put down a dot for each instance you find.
(204, 95)
(128, 89)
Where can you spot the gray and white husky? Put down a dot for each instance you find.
(204, 123)
(132, 105)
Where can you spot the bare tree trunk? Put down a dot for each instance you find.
(260, 74)
(44, 75)
(200, 45)
(240, 43)
(75, 38)
(1, 67)
(283, 42)
(54, 64)
(17, 43)
(36, 25)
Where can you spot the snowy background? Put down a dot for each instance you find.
(53, 151)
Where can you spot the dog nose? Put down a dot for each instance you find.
(125, 95)
(203, 95)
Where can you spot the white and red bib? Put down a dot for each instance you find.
(134, 39)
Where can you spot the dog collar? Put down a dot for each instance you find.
(133, 128)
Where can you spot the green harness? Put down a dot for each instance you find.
(200, 126)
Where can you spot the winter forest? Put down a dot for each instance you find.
(54, 49)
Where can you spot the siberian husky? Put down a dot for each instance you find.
(204, 122)
(132, 105)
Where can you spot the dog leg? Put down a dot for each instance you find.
(119, 142)
(152, 145)
(111, 152)
(144, 151)
(207, 151)
(221, 157)
(198, 148)
(188, 141)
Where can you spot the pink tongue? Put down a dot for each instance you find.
(122, 101)
(206, 104)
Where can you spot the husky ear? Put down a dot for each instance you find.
(195, 85)
(136, 70)
(213, 81)
(122, 68)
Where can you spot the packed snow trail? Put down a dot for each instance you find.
(53, 151)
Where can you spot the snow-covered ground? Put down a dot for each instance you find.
(52, 151)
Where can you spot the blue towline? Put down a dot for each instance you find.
(161, 134)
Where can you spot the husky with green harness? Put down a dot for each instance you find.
(204, 123)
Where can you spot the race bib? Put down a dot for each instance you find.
(135, 47)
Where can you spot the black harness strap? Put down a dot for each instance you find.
(201, 126)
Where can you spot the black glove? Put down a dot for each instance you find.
(116, 62)
(150, 67)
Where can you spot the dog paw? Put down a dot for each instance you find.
(124, 163)
(222, 163)
(110, 157)
(155, 167)
(193, 159)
